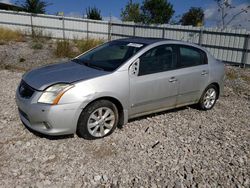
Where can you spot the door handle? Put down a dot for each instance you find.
(204, 72)
(172, 79)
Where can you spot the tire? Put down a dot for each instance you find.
(208, 99)
(98, 120)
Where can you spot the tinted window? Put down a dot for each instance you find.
(111, 53)
(109, 56)
(159, 59)
(190, 56)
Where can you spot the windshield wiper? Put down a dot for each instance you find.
(87, 63)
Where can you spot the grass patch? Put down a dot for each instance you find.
(231, 74)
(64, 49)
(67, 48)
(245, 78)
(12, 67)
(37, 46)
(87, 44)
(7, 35)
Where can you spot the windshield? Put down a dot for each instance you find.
(109, 56)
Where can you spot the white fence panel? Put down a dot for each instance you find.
(15, 21)
(152, 32)
(227, 45)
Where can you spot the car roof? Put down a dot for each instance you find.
(149, 41)
(141, 40)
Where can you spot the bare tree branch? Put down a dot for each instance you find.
(224, 7)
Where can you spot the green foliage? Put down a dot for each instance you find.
(35, 6)
(156, 11)
(37, 46)
(194, 17)
(131, 12)
(93, 13)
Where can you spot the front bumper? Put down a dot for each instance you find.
(51, 120)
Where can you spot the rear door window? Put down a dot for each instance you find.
(191, 56)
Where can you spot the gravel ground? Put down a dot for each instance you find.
(178, 148)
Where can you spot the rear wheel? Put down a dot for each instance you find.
(208, 98)
(98, 120)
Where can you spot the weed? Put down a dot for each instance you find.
(231, 74)
(37, 45)
(246, 78)
(64, 49)
(7, 35)
(87, 44)
(12, 67)
(38, 35)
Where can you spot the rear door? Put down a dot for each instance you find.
(194, 74)
(155, 85)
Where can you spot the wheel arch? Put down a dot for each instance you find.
(118, 105)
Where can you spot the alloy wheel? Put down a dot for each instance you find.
(209, 98)
(101, 122)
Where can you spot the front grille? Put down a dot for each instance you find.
(25, 90)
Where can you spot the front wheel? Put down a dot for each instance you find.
(97, 120)
(208, 98)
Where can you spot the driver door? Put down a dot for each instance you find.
(153, 81)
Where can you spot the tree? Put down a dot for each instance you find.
(194, 17)
(93, 13)
(131, 12)
(224, 8)
(156, 11)
(35, 6)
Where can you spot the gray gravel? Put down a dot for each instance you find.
(178, 148)
(24, 56)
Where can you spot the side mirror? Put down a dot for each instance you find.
(134, 68)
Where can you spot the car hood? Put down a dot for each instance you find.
(69, 72)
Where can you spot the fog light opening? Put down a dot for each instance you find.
(47, 125)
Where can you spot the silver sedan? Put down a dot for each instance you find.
(97, 91)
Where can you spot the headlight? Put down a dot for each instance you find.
(53, 94)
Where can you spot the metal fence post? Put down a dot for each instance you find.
(201, 36)
(31, 25)
(63, 27)
(134, 27)
(109, 30)
(245, 51)
(163, 32)
(87, 29)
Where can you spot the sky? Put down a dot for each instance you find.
(77, 8)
